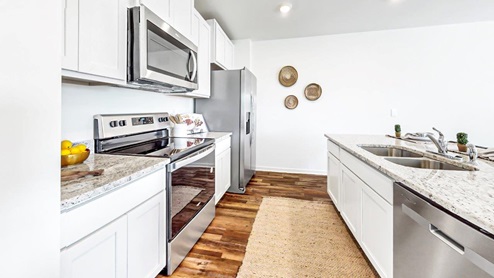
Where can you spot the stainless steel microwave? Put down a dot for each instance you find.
(159, 57)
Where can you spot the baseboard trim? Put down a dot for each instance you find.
(291, 170)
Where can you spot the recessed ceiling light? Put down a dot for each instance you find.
(285, 8)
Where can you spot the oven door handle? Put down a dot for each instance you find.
(172, 167)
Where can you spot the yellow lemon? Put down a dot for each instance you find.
(65, 152)
(75, 151)
(66, 144)
(81, 147)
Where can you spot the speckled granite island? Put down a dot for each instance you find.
(468, 194)
(118, 171)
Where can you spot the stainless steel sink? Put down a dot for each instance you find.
(390, 151)
(425, 163)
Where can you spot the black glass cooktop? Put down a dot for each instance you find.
(171, 147)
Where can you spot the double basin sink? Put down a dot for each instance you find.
(412, 159)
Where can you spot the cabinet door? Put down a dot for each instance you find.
(222, 183)
(103, 38)
(146, 238)
(160, 7)
(203, 59)
(377, 231)
(227, 170)
(196, 21)
(229, 52)
(351, 201)
(181, 16)
(70, 34)
(220, 44)
(102, 254)
(334, 173)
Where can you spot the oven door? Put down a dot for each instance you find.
(160, 54)
(191, 185)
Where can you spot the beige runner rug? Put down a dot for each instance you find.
(297, 238)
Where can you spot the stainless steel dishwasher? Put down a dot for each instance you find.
(429, 241)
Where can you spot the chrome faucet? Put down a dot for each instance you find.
(472, 152)
(441, 144)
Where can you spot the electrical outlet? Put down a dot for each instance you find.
(394, 112)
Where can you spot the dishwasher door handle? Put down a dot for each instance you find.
(446, 239)
(422, 221)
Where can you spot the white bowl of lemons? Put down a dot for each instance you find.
(73, 154)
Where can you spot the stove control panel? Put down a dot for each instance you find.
(107, 126)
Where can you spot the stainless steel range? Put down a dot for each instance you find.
(190, 173)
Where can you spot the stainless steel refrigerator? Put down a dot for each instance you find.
(232, 107)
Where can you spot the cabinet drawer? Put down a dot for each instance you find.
(334, 149)
(380, 183)
(222, 145)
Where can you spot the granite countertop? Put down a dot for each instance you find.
(118, 171)
(468, 194)
(218, 136)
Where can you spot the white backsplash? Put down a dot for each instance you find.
(80, 103)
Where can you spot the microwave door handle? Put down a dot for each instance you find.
(187, 77)
(194, 72)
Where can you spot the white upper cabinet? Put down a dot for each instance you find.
(94, 40)
(160, 7)
(178, 13)
(203, 59)
(103, 38)
(194, 35)
(222, 48)
(229, 52)
(201, 34)
(181, 16)
(70, 34)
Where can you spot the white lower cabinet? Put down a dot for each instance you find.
(351, 201)
(121, 234)
(365, 205)
(377, 231)
(334, 178)
(146, 238)
(223, 168)
(100, 255)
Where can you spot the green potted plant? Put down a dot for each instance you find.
(397, 131)
(462, 141)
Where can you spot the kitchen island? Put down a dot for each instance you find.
(468, 194)
(364, 173)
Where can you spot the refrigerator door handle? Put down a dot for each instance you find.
(247, 128)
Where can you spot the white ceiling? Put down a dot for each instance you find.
(261, 19)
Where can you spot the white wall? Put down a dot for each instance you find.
(436, 76)
(80, 103)
(30, 160)
(243, 54)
